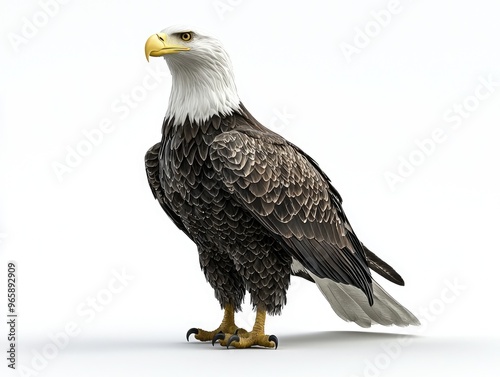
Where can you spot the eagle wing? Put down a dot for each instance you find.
(288, 194)
(154, 174)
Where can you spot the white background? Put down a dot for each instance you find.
(357, 117)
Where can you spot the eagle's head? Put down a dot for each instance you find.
(202, 75)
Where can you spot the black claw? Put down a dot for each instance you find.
(233, 338)
(191, 331)
(219, 336)
(273, 338)
(236, 332)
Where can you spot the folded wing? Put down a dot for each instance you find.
(288, 194)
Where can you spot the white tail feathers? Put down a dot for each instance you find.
(351, 304)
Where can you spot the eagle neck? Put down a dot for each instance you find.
(201, 90)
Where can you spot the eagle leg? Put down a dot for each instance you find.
(227, 328)
(256, 337)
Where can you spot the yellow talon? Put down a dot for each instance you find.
(256, 337)
(226, 328)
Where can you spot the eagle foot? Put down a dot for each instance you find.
(253, 339)
(222, 333)
(256, 337)
(226, 329)
(224, 338)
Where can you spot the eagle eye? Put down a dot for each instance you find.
(186, 37)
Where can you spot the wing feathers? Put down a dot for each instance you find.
(284, 190)
(382, 268)
(154, 179)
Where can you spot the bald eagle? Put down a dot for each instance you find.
(258, 208)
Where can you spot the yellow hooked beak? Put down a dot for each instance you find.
(157, 45)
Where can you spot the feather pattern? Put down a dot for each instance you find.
(258, 167)
(252, 202)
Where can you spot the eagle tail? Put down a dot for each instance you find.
(351, 304)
